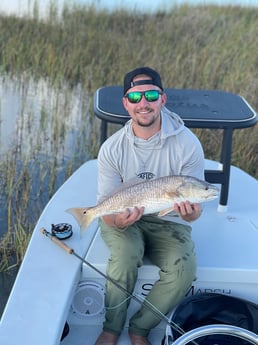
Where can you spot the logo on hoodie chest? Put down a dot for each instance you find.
(146, 175)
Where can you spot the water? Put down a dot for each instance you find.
(6, 282)
(40, 132)
(30, 108)
(21, 7)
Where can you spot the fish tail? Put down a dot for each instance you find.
(83, 216)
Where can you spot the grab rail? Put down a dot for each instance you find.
(217, 329)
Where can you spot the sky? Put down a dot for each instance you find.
(21, 7)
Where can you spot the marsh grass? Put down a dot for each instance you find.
(79, 49)
(53, 137)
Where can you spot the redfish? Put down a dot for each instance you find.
(156, 196)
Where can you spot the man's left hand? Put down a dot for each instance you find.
(187, 211)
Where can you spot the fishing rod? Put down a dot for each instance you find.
(145, 303)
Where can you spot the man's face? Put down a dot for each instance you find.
(144, 113)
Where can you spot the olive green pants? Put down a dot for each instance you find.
(169, 246)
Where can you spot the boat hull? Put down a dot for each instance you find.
(52, 285)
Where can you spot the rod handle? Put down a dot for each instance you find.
(61, 244)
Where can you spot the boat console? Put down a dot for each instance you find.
(199, 109)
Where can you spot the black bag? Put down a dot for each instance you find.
(211, 308)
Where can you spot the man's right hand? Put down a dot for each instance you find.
(124, 219)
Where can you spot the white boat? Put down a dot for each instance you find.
(54, 287)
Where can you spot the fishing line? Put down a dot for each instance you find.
(145, 303)
(119, 304)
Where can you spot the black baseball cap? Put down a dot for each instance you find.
(155, 78)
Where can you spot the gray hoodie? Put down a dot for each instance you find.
(174, 150)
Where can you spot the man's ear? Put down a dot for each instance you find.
(124, 100)
(164, 99)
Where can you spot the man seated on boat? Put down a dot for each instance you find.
(153, 143)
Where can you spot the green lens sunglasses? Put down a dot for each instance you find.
(150, 96)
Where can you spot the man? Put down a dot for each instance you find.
(152, 144)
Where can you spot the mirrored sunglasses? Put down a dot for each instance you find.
(150, 96)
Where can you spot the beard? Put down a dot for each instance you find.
(146, 120)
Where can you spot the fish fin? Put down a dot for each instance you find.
(169, 195)
(165, 211)
(82, 215)
(172, 194)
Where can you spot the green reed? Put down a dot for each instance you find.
(202, 47)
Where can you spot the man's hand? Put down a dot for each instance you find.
(124, 219)
(187, 211)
